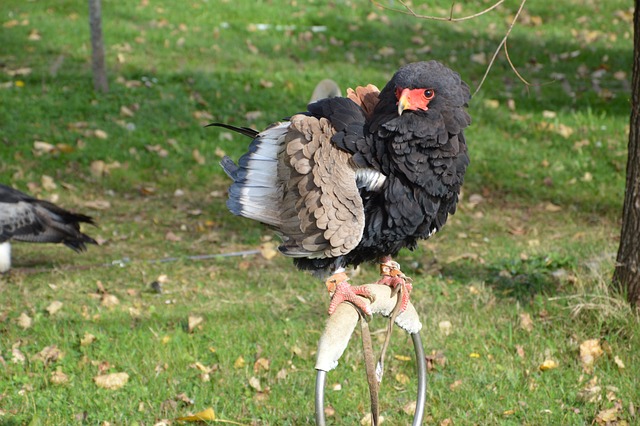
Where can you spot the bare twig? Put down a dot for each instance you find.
(513, 67)
(410, 11)
(126, 261)
(502, 43)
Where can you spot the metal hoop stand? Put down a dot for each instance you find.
(336, 337)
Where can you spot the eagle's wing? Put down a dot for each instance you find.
(17, 218)
(322, 214)
(294, 179)
(24, 218)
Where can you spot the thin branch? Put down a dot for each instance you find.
(126, 261)
(513, 67)
(502, 43)
(410, 11)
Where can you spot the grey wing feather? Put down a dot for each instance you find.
(24, 218)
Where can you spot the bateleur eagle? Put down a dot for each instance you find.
(357, 179)
(25, 218)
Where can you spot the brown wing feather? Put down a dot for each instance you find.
(366, 97)
(322, 213)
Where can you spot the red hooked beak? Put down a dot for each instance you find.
(413, 99)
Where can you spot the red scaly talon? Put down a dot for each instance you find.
(342, 291)
(393, 277)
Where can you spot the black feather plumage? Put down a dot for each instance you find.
(422, 153)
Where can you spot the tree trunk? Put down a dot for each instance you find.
(627, 274)
(97, 47)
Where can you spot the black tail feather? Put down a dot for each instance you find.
(247, 131)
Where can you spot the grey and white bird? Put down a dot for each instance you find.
(28, 219)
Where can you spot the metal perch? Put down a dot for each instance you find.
(338, 331)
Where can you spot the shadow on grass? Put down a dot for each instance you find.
(515, 278)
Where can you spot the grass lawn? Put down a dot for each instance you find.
(518, 279)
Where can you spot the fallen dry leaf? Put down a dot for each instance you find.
(126, 111)
(526, 323)
(17, 357)
(109, 300)
(97, 204)
(111, 381)
(455, 385)
(99, 168)
(296, 350)
(48, 183)
(170, 236)
(54, 307)
(252, 48)
(261, 364)
(492, 103)
(367, 420)
(386, 51)
(34, 35)
(200, 366)
(445, 327)
(520, 351)
(282, 374)
(205, 117)
(49, 354)
(199, 158)
(87, 339)
(239, 362)
(12, 23)
(479, 58)
(261, 396)
(402, 378)
(205, 415)
(550, 207)
(41, 147)
(409, 408)
(564, 131)
(65, 148)
(402, 357)
(219, 152)
(24, 321)
(619, 362)
(591, 392)
(548, 364)
(193, 322)
(435, 358)
(607, 416)
(253, 115)
(254, 382)
(59, 378)
(158, 149)
(590, 350)
(268, 250)
(100, 134)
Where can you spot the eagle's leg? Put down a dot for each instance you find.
(341, 291)
(396, 279)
